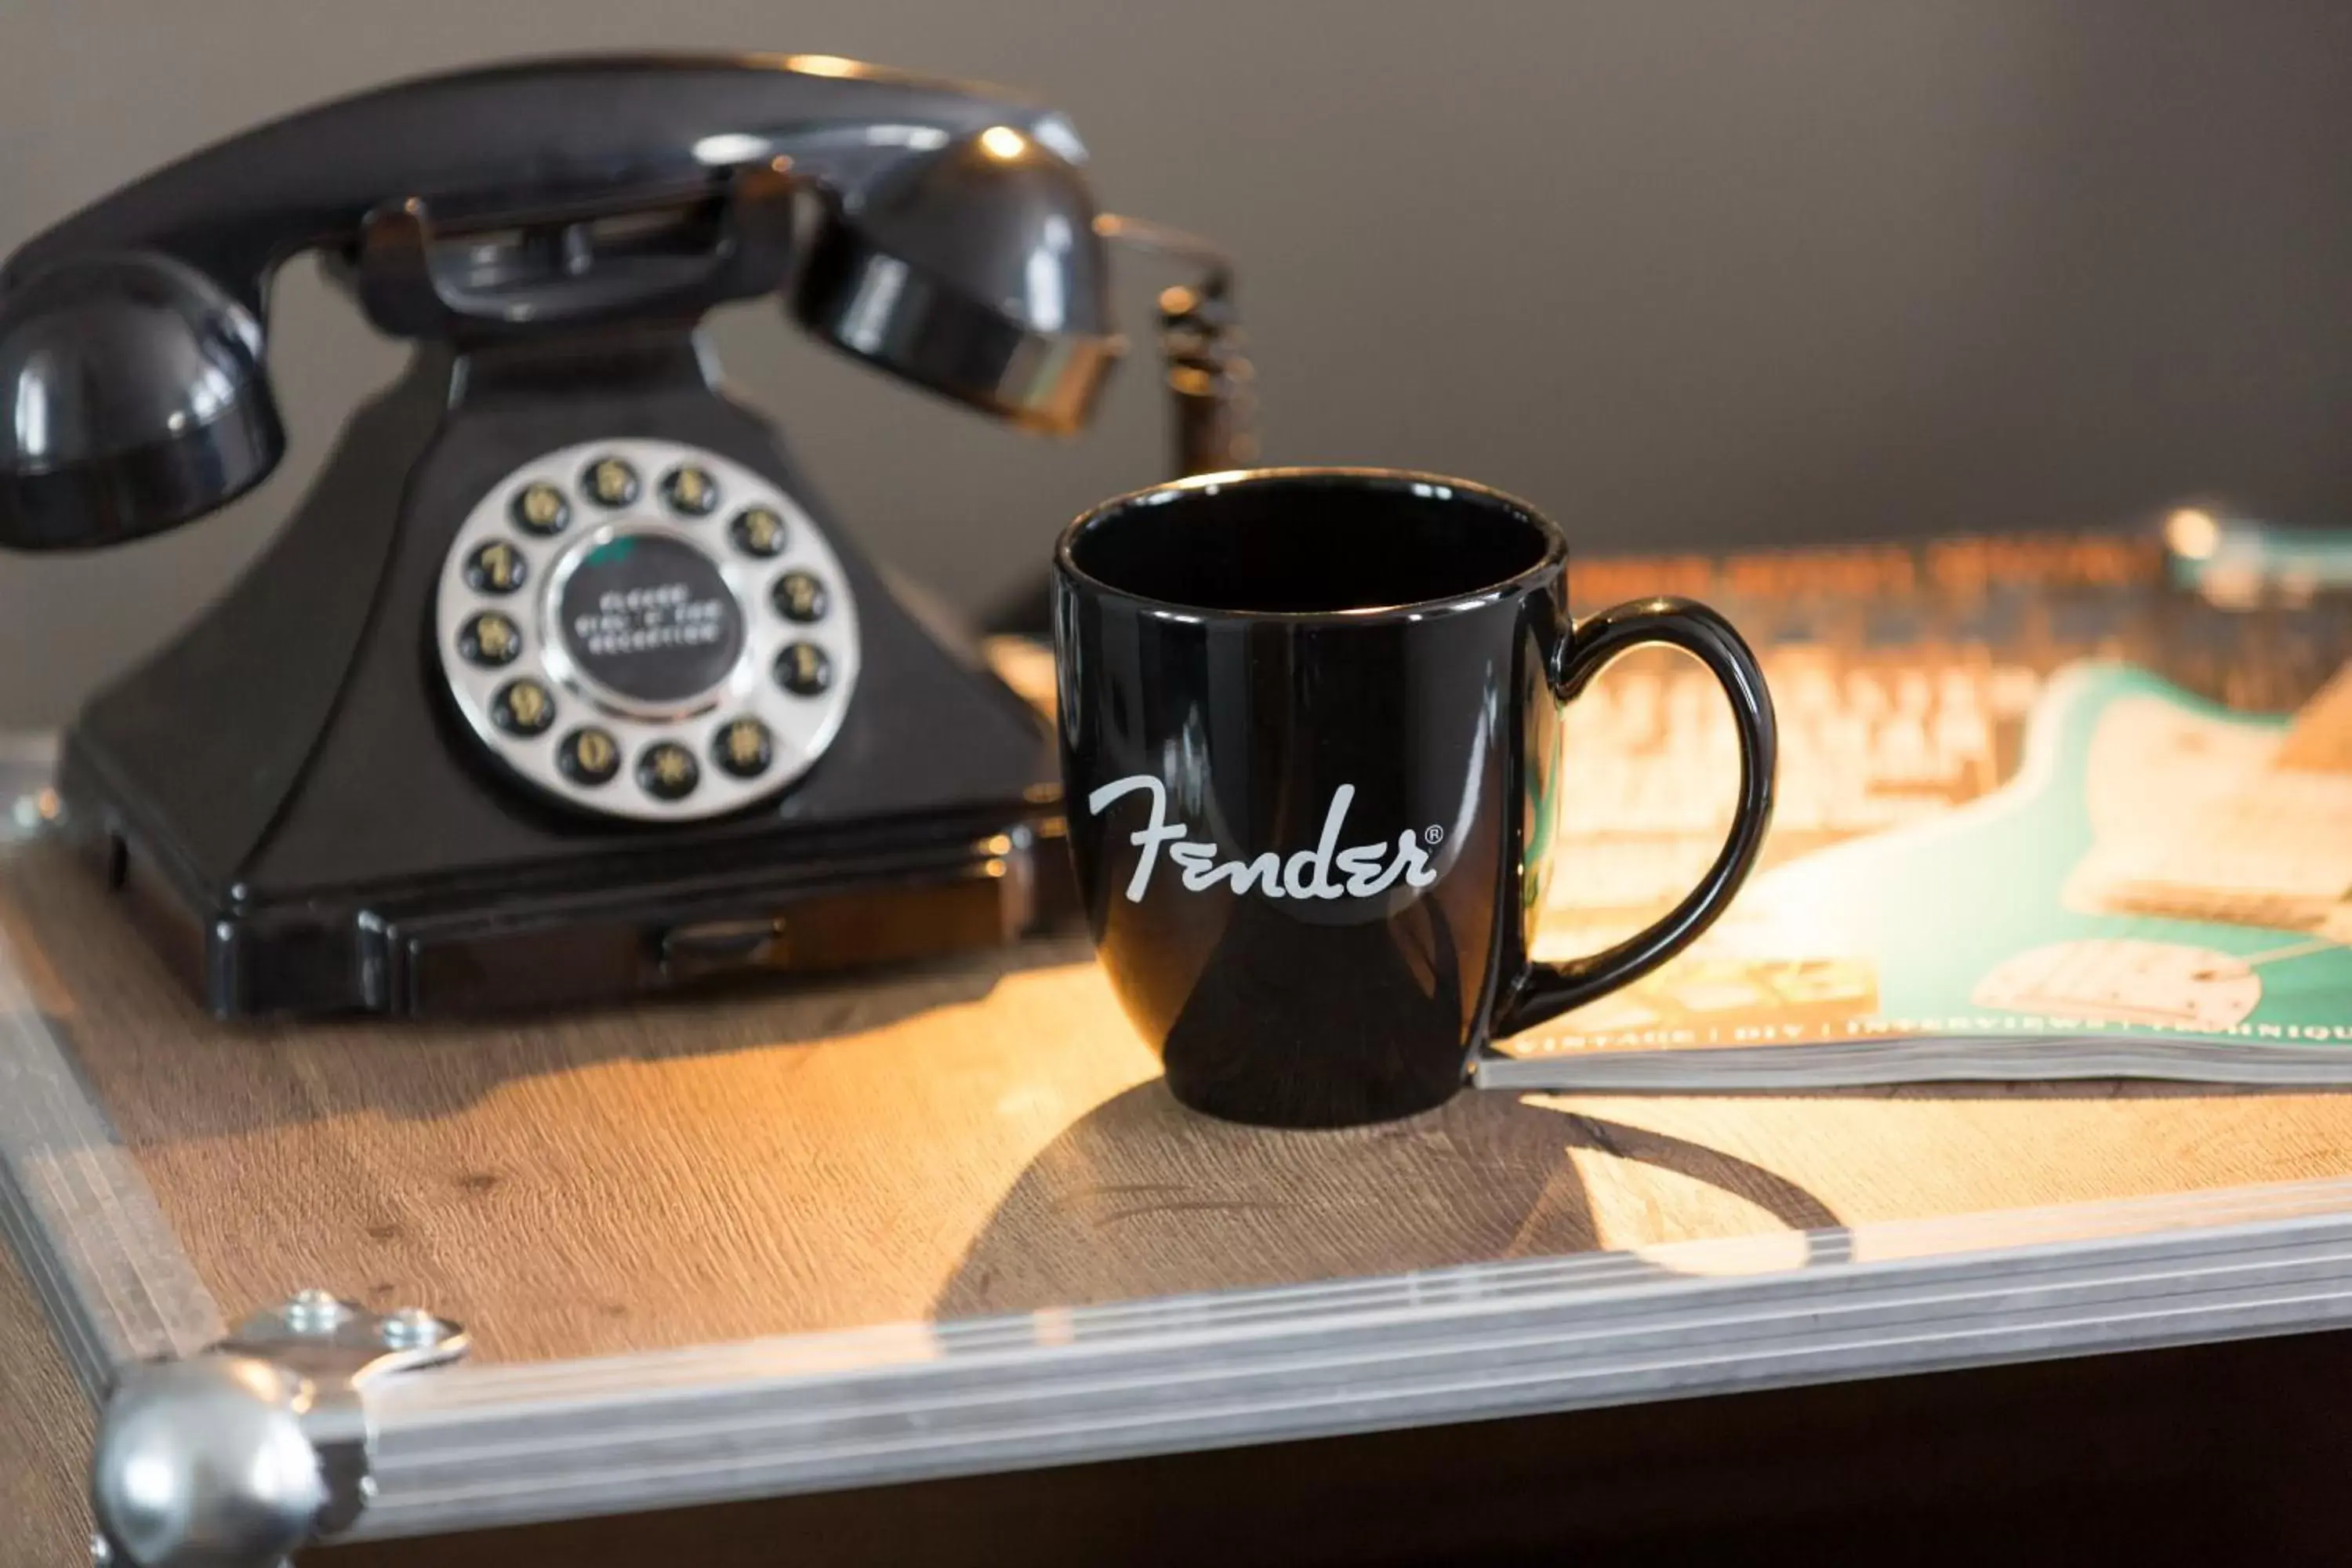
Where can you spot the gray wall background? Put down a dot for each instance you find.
(1686, 271)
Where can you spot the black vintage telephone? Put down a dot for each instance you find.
(560, 683)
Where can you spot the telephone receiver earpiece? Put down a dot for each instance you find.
(976, 272)
(136, 402)
(958, 250)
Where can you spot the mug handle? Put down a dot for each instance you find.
(1547, 989)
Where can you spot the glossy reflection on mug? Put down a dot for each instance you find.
(1310, 742)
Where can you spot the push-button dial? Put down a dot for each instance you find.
(690, 492)
(802, 670)
(646, 630)
(798, 598)
(610, 482)
(542, 509)
(496, 567)
(667, 771)
(522, 708)
(589, 756)
(758, 530)
(744, 748)
(489, 639)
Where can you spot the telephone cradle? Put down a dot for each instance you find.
(561, 684)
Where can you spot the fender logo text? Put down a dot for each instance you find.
(1326, 872)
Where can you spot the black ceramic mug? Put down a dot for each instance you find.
(1310, 750)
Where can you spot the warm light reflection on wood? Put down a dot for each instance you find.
(985, 1138)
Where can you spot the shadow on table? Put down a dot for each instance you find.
(1143, 1197)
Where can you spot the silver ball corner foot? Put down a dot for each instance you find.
(237, 1457)
(205, 1463)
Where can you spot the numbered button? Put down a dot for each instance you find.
(541, 510)
(798, 597)
(802, 670)
(744, 748)
(610, 482)
(667, 771)
(522, 708)
(489, 639)
(758, 530)
(589, 756)
(690, 492)
(496, 567)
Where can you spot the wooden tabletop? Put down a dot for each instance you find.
(45, 1435)
(966, 1138)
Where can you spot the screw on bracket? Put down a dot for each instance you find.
(412, 1328)
(235, 1457)
(314, 1312)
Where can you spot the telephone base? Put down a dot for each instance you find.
(475, 944)
(308, 819)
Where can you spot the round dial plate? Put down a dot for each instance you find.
(648, 630)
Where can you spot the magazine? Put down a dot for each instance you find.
(2049, 806)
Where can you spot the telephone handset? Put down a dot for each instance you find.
(561, 682)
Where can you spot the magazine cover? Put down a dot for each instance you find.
(2047, 805)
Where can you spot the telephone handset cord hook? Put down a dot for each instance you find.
(1209, 378)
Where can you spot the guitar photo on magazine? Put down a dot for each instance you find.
(2051, 807)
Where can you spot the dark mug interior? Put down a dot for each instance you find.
(1310, 544)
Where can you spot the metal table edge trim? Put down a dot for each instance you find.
(78, 1214)
(478, 1447)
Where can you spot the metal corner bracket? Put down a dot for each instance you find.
(237, 1457)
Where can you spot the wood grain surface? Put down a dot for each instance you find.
(44, 1434)
(965, 1138)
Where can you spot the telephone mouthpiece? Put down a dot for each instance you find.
(976, 272)
(132, 400)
